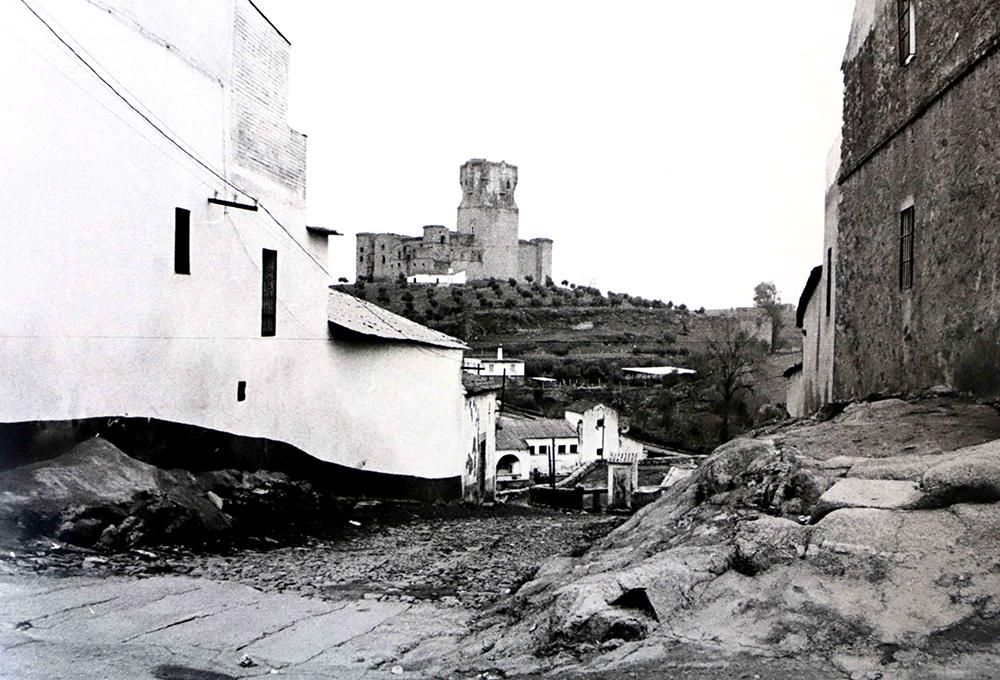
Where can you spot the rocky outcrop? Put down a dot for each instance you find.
(865, 544)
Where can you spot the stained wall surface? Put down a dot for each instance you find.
(923, 135)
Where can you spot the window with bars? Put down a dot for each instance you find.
(907, 31)
(907, 224)
(269, 293)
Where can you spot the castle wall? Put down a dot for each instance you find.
(922, 135)
(485, 243)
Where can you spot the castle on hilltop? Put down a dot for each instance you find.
(485, 243)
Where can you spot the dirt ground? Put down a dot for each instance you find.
(453, 554)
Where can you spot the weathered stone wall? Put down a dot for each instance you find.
(923, 135)
(535, 259)
(488, 212)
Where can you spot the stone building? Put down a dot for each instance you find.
(484, 244)
(911, 282)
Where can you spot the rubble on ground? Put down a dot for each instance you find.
(97, 497)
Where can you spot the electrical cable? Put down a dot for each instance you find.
(167, 136)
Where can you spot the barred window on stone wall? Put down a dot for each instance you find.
(269, 293)
(907, 31)
(907, 223)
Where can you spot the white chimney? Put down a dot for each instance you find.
(500, 353)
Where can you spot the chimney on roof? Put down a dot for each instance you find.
(500, 353)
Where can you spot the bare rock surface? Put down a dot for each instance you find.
(775, 551)
(886, 494)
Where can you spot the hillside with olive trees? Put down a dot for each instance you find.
(582, 337)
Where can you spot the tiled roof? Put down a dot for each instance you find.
(477, 384)
(361, 316)
(513, 432)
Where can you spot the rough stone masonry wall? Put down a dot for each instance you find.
(262, 141)
(945, 163)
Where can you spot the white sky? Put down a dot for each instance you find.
(671, 149)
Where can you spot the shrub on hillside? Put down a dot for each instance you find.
(509, 303)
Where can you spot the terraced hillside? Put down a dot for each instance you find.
(583, 337)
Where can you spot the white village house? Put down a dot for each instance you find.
(159, 270)
(524, 445)
(494, 367)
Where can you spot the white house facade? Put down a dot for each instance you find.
(158, 264)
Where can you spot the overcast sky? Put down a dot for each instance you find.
(670, 149)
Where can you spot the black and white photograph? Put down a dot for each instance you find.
(463, 340)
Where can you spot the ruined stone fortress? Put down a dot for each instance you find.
(485, 244)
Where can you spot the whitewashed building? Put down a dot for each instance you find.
(524, 445)
(494, 366)
(157, 264)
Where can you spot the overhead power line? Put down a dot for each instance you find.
(168, 137)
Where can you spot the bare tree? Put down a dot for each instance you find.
(732, 356)
(765, 296)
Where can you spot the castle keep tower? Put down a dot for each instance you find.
(485, 243)
(489, 214)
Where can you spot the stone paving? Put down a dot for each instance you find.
(345, 608)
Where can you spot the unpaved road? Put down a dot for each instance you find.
(346, 607)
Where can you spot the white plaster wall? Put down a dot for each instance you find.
(593, 437)
(480, 424)
(522, 456)
(94, 321)
(565, 462)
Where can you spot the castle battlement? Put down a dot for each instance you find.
(484, 244)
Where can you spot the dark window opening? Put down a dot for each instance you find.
(508, 185)
(383, 259)
(543, 450)
(600, 452)
(562, 448)
(531, 450)
(182, 241)
(269, 293)
(241, 390)
(907, 31)
(572, 448)
(907, 225)
(600, 422)
(829, 278)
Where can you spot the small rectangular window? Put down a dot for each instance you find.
(829, 278)
(543, 450)
(600, 423)
(562, 448)
(600, 452)
(269, 293)
(907, 31)
(907, 226)
(241, 390)
(182, 241)
(531, 450)
(572, 448)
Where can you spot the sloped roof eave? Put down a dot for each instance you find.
(364, 318)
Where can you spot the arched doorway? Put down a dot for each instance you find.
(509, 466)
